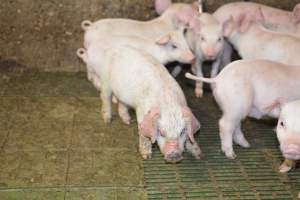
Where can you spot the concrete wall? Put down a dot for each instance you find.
(45, 34)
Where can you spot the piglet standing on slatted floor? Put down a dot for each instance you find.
(139, 81)
(254, 88)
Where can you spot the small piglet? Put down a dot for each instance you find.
(139, 81)
(275, 18)
(253, 41)
(254, 88)
(169, 47)
(288, 133)
(207, 43)
(206, 39)
(170, 20)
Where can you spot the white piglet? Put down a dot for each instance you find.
(172, 19)
(253, 41)
(288, 134)
(139, 81)
(254, 88)
(207, 43)
(169, 47)
(276, 19)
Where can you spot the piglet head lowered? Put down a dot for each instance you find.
(176, 46)
(172, 130)
(288, 130)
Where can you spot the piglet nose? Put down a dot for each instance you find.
(173, 157)
(189, 56)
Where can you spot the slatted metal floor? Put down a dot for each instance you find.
(253, 175)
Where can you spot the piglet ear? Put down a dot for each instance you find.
(198, 6)
(192, 123)
(148, 127)
(162, 5)
(195, 24)
(228, 27)
(296, 13)
(184, 16)
(163, 40)
(259, 16)
(277, 104)
(244, 22)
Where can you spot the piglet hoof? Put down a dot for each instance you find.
(114, 100)
(199, 156)
(126, 120)
(231, 155)
(198, 92)
(107, 118)
(284, 168)
(246, 145)
(146, 156)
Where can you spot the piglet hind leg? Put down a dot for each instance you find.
(145, 147)
(124, 113)
(227, 127)
(239, 138)
(286, 166)
(194, 149)
(106, 95)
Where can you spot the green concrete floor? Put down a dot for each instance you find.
(54, 145)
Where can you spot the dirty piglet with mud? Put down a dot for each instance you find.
(160, 105)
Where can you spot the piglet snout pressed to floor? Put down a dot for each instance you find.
(172, 153)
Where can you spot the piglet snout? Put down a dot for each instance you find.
(172, 153)
(210, 53)
(188, 57)
(292, 152)
(173, 157)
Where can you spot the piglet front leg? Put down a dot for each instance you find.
(124, 113)
(194, 149)
(106, 95)
(199, 85)
(145, 147)
(215, 67)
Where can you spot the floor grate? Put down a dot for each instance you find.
(253, 175)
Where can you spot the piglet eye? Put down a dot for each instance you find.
(281, 124)
(174, 46)
(183, 131)
(202, 38)
(185, 31)
(162, 133)
(220, 39)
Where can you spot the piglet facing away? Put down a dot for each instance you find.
(253, 41)
(171, 19)
(139, 81)
(253, 88)
(288, 134)
(281, 20)
(275, 19)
